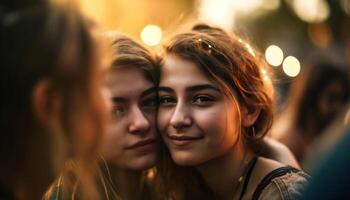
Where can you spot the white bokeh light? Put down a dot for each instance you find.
(274, 55)
(311, 11)
(151, 35)
(291, 66)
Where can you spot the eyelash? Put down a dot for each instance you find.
(166, 100)
(118, 111)
(201, 100)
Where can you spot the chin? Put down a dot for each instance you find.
(144, 163)
(186, 159)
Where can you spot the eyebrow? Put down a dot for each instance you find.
(202, 87)
(117, 99)
(149, 91)
(165, 89)
(191, 88)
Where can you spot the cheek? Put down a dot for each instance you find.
(163, 118)
(151, 117)
(220, 127)
(113, 141)
(211, 120)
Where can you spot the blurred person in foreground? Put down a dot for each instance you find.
(52, 108)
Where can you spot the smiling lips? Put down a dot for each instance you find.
(181, 140)
(143, 145)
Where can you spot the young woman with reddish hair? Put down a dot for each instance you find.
(216, 106)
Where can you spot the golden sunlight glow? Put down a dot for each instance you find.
(311, 10)
(223, 12)
(291, 66)
(250, 49)
(245, 7)
(345, 5)
(218, 12)
(274, 55)
(151, 35)
(271, 4)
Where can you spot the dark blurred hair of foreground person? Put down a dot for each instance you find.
(51, 106)
(315, 98)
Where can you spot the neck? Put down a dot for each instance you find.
(128, 182)
(221, 174)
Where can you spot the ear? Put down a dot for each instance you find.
(250, 115)
(43, 104)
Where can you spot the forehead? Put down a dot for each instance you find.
(127, 80)
(178, 70)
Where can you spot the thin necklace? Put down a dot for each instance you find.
(244, 178)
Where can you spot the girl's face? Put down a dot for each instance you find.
(131, 138)
(196, 120)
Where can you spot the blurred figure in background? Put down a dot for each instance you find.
(315, 98)
(52, 108)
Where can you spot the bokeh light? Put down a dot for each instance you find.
(274, 55)
(291, 66)
(271, 4)
(311, 11)
(320, 34)
(217, 12)
(151, 35)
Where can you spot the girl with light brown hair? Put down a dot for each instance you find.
(130, 147)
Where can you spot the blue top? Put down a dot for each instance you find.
(331, 180)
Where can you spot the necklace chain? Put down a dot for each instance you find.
(242, 177)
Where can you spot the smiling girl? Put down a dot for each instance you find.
(215, 108)
(130, 146)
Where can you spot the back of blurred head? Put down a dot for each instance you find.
(51, 107)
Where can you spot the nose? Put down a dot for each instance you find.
(138, 122)
(181, 117)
